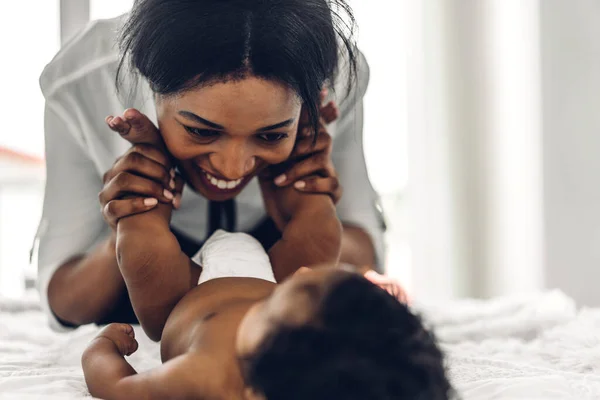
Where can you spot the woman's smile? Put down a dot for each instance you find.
(221, 185)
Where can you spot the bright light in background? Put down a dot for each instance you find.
(382, 39)
(103, 9)
(29, 41)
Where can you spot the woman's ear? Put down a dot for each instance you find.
(252, 394)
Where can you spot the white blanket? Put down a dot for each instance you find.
(526, 347)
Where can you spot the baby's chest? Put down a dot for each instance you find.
(200, 326)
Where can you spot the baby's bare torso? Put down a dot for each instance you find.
(205, 323)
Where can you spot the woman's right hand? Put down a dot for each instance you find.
(143, 176)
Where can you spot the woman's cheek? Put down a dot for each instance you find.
(286, 151)
(179, 145)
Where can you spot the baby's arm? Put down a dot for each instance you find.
(109, 376)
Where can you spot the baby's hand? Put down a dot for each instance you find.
(122, 335)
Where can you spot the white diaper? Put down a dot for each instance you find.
(226, 255)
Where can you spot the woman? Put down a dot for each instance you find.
(225, 82)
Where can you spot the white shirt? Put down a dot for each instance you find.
(79, 88)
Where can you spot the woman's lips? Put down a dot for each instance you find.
(220, 185)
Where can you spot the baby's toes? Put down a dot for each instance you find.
(119, 125)
(131, 347)
(142, 129)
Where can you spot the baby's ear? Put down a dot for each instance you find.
(252, 394)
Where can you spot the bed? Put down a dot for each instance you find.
(537, 346)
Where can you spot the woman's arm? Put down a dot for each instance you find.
(357, 247)
(362, 242)
(78, 275)
(84, 289)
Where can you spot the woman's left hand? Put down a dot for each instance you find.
(310, 167)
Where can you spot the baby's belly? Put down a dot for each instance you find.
(215, 307)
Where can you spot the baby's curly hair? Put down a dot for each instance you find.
(363, 345)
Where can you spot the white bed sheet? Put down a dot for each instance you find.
(535, 346)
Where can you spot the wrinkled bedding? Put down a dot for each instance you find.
(536, 346)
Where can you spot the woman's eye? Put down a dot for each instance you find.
(272, 137)
(202, 133)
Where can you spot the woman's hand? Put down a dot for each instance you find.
(392, 286)
(143, 177)
(309, 167)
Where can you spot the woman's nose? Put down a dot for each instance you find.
(233, 164)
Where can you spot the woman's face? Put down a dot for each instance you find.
(224, 134)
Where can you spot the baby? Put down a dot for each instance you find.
(324, 333)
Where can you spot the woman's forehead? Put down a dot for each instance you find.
(250, 98)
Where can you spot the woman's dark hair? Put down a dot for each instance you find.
(364, 344)
(178, 45)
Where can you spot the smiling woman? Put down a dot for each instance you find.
(213, 146)
(228, 127)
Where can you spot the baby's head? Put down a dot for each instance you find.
(331, 334)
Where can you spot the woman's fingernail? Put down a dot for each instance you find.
(177, 201)
(109, 119)
(168, 194)
(280, 179)
(150, 202)
(172, 172)
(300, 185)
(172, 183)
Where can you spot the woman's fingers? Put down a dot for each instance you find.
(392, 286)
(307, 145)
(141, 164)
(318, 164)
(114, 210)
(126, 183)
(179, 185)
(329, 186)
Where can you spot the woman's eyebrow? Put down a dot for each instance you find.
(283, 124)
(191, 115)
(199, 119)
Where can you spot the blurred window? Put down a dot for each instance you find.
(102, 9)
(29, 40)
(382, 39)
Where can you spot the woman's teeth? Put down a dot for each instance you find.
(221, 184)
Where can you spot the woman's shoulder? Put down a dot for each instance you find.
(91, 49)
